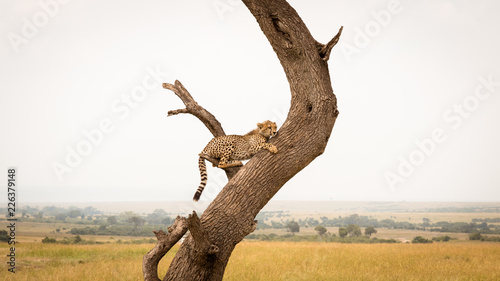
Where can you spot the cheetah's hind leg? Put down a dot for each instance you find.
(228, 164)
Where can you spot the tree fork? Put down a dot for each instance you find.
(302, 137)
(207, 118)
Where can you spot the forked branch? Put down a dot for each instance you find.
(194, 108)
(165, 243)
(207, 118)
(167, 240)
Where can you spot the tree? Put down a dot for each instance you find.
(353, 230)
(320, 229)
(167, 221)
(303, 136)
(91, 211)
(61, 217)
(370, 230)
(112, 220)
(426, 222)
(74, 213)
(342, 232)
(156, 217)
(475, 236)
(137, 221)
(78, 239)
(293, 227)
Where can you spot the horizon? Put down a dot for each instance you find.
(186, 207)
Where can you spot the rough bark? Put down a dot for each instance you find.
(302, 137)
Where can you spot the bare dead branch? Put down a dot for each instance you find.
(177, 111)
(325, 50)
(207, 118)
(192, 107)
(165, 243)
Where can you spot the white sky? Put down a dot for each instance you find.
(67, 67)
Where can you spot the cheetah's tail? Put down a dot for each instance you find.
(203, 183)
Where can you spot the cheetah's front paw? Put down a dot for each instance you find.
(273, 149)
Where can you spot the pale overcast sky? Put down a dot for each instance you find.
(83, 115)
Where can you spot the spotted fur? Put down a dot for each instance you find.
(233, 148)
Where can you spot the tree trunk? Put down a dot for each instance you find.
(302, 138)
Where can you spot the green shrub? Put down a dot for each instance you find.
(445, 238)
(48, 240)
(475, 236)
(420, 239)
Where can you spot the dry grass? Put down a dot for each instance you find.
(316, 261)
(269, 261)
(56, 262)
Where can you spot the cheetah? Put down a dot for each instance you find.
(233, 148)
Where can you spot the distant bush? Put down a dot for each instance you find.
(445, 238)
(78, 239)
(48, 240)
(491, 238)
(420, 239)
(475, 236)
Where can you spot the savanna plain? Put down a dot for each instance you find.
(270, 261)
(113, 258)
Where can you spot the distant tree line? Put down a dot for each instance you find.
(317, 238)
(365, 221)
(480, 237)
(362, 221)
(128, 224)
(486, 220)
(125, 223)
(52, 214)
(464, 227)
(463, 210)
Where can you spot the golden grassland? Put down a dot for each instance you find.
(268, 261)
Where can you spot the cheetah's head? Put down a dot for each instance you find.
(267, 128)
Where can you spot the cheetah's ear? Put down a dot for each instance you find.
(259, 125)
